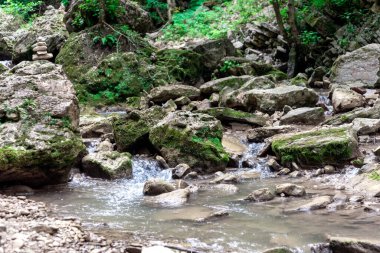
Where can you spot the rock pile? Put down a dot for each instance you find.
(40, 50)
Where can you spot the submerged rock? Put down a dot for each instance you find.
(359, 68)
(317, 147)
(191, 138)
(170, 199)
(290, 190)
(108, 165)
(39, 111)
(315, 204)
(155, 187)
(260, 195)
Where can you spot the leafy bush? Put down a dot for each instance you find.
(23, 9)
(227, 65)
(310, 38)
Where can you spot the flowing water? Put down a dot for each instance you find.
(250, 227)
(7, 64)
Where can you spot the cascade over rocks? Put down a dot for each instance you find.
(191, 138)
(38, 111)
(359, 68)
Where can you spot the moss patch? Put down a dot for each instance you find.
(326, 146)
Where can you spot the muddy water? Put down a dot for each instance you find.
(251, 227)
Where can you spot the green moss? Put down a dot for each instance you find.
(299, 81)
(183, 65)
(136, 125)
(358, 162)
(276, 75)
(329, 146)
(374, 175)
(195, 150)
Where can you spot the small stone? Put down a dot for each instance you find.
(39, 53)
(162, 162)
(40, 48)
(181, 170)
(284, 171)
(273, 165)
(329, 169)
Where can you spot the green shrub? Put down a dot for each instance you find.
(20, 8)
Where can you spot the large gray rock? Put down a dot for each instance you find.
(358, 68)
(317, 147)
(214, 51)
(315, 204)
(217, 85)
(39, 111)
(93, 126)
(191, 138)
(108, 165)
(164, 93)
(50, 26)
(227, 115)
(271, 100)
(345, 100)
(305, 115)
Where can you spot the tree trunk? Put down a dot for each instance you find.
(280, 22)
(292, 22)
(102, 12)
(171, 6)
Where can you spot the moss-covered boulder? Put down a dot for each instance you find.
(108, 165)
(191, 138)
(39, 115)
(317, 147)
(182, 65)
(123, 75)
(80, 53)
(134, 128)
(230, 115)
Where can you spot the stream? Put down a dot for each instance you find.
(118, 206)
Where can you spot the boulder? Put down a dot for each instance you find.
(191, 138)
(213, 52)
(49, 26)
(180, 171)
(164, 93)
(278, 250)
(345, 100)
(353, 245)
(358, 68)
(261, 133)
(215, 86)
(289, 189)
(260, 195)
(228, 115)
(134, 128)
(317, 147)
(95, 126)
(304, 115)
(366, 126)
(39, 114)
(108, 165)
(171, 199)
(271, 100)
(156, 187)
